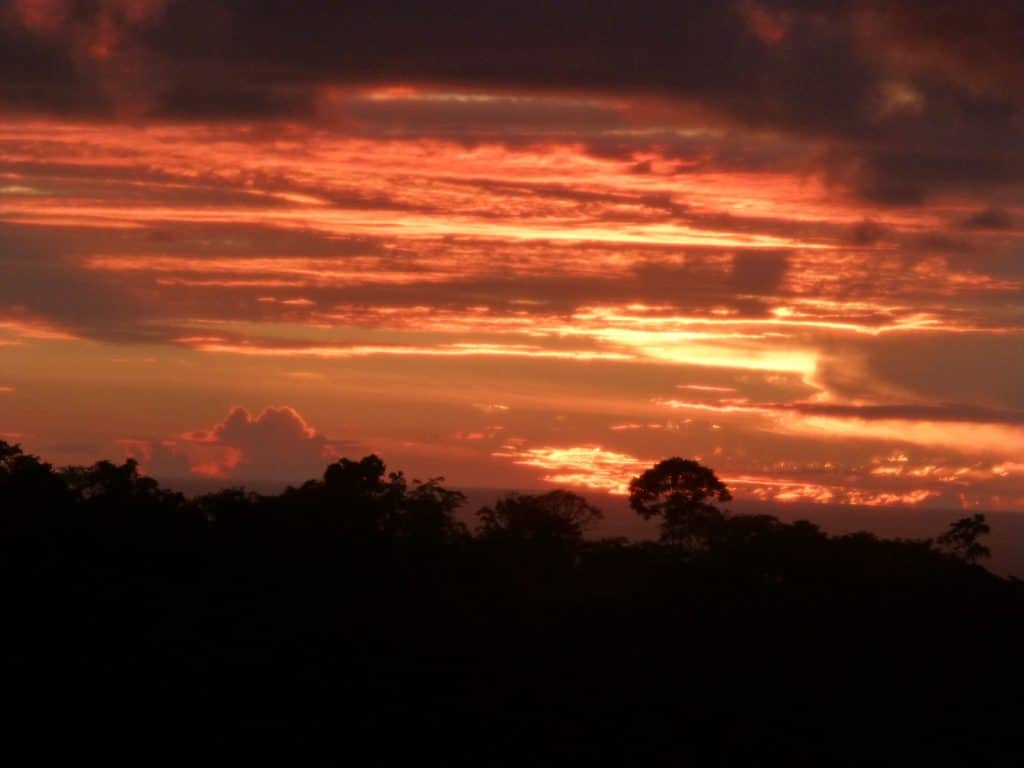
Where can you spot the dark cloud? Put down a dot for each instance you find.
(199, 102)
(40, 73)
(983, 369)
(501, 115)
(979, 45)
(38, 274)
(41, 275)
(813, 73)
(909, 96)
(866, 233)
(989, 218)
(814, 81)
(759, 272)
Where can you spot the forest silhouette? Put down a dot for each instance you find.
(360, 612)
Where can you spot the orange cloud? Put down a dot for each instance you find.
(369, 350)
(963, 428)
(277, 443)
(793, 490)
(588, 466)
(274, 445)
(598, 468)
(24, 327)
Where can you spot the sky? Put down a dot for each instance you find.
(520, 244)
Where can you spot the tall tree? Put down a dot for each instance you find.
(681, 492)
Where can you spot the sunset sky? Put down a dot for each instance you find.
(522, 243)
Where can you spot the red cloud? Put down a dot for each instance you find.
(276, 444)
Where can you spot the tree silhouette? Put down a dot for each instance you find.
(361, 500)
(680, 492)
(228, 507)
(112, 495)
(535, 539)
(356, 498)
(31, 493)
(426, 513)
(962, 538)
(256, 610)
(356, 480)
(560, 516)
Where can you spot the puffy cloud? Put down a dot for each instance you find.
(276, 444)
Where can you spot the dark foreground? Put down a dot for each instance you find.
(353, 621)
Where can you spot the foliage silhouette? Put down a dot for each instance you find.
(30, 491)
(962, 538)
(358, 611)
(560, 516)
(681, 493)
